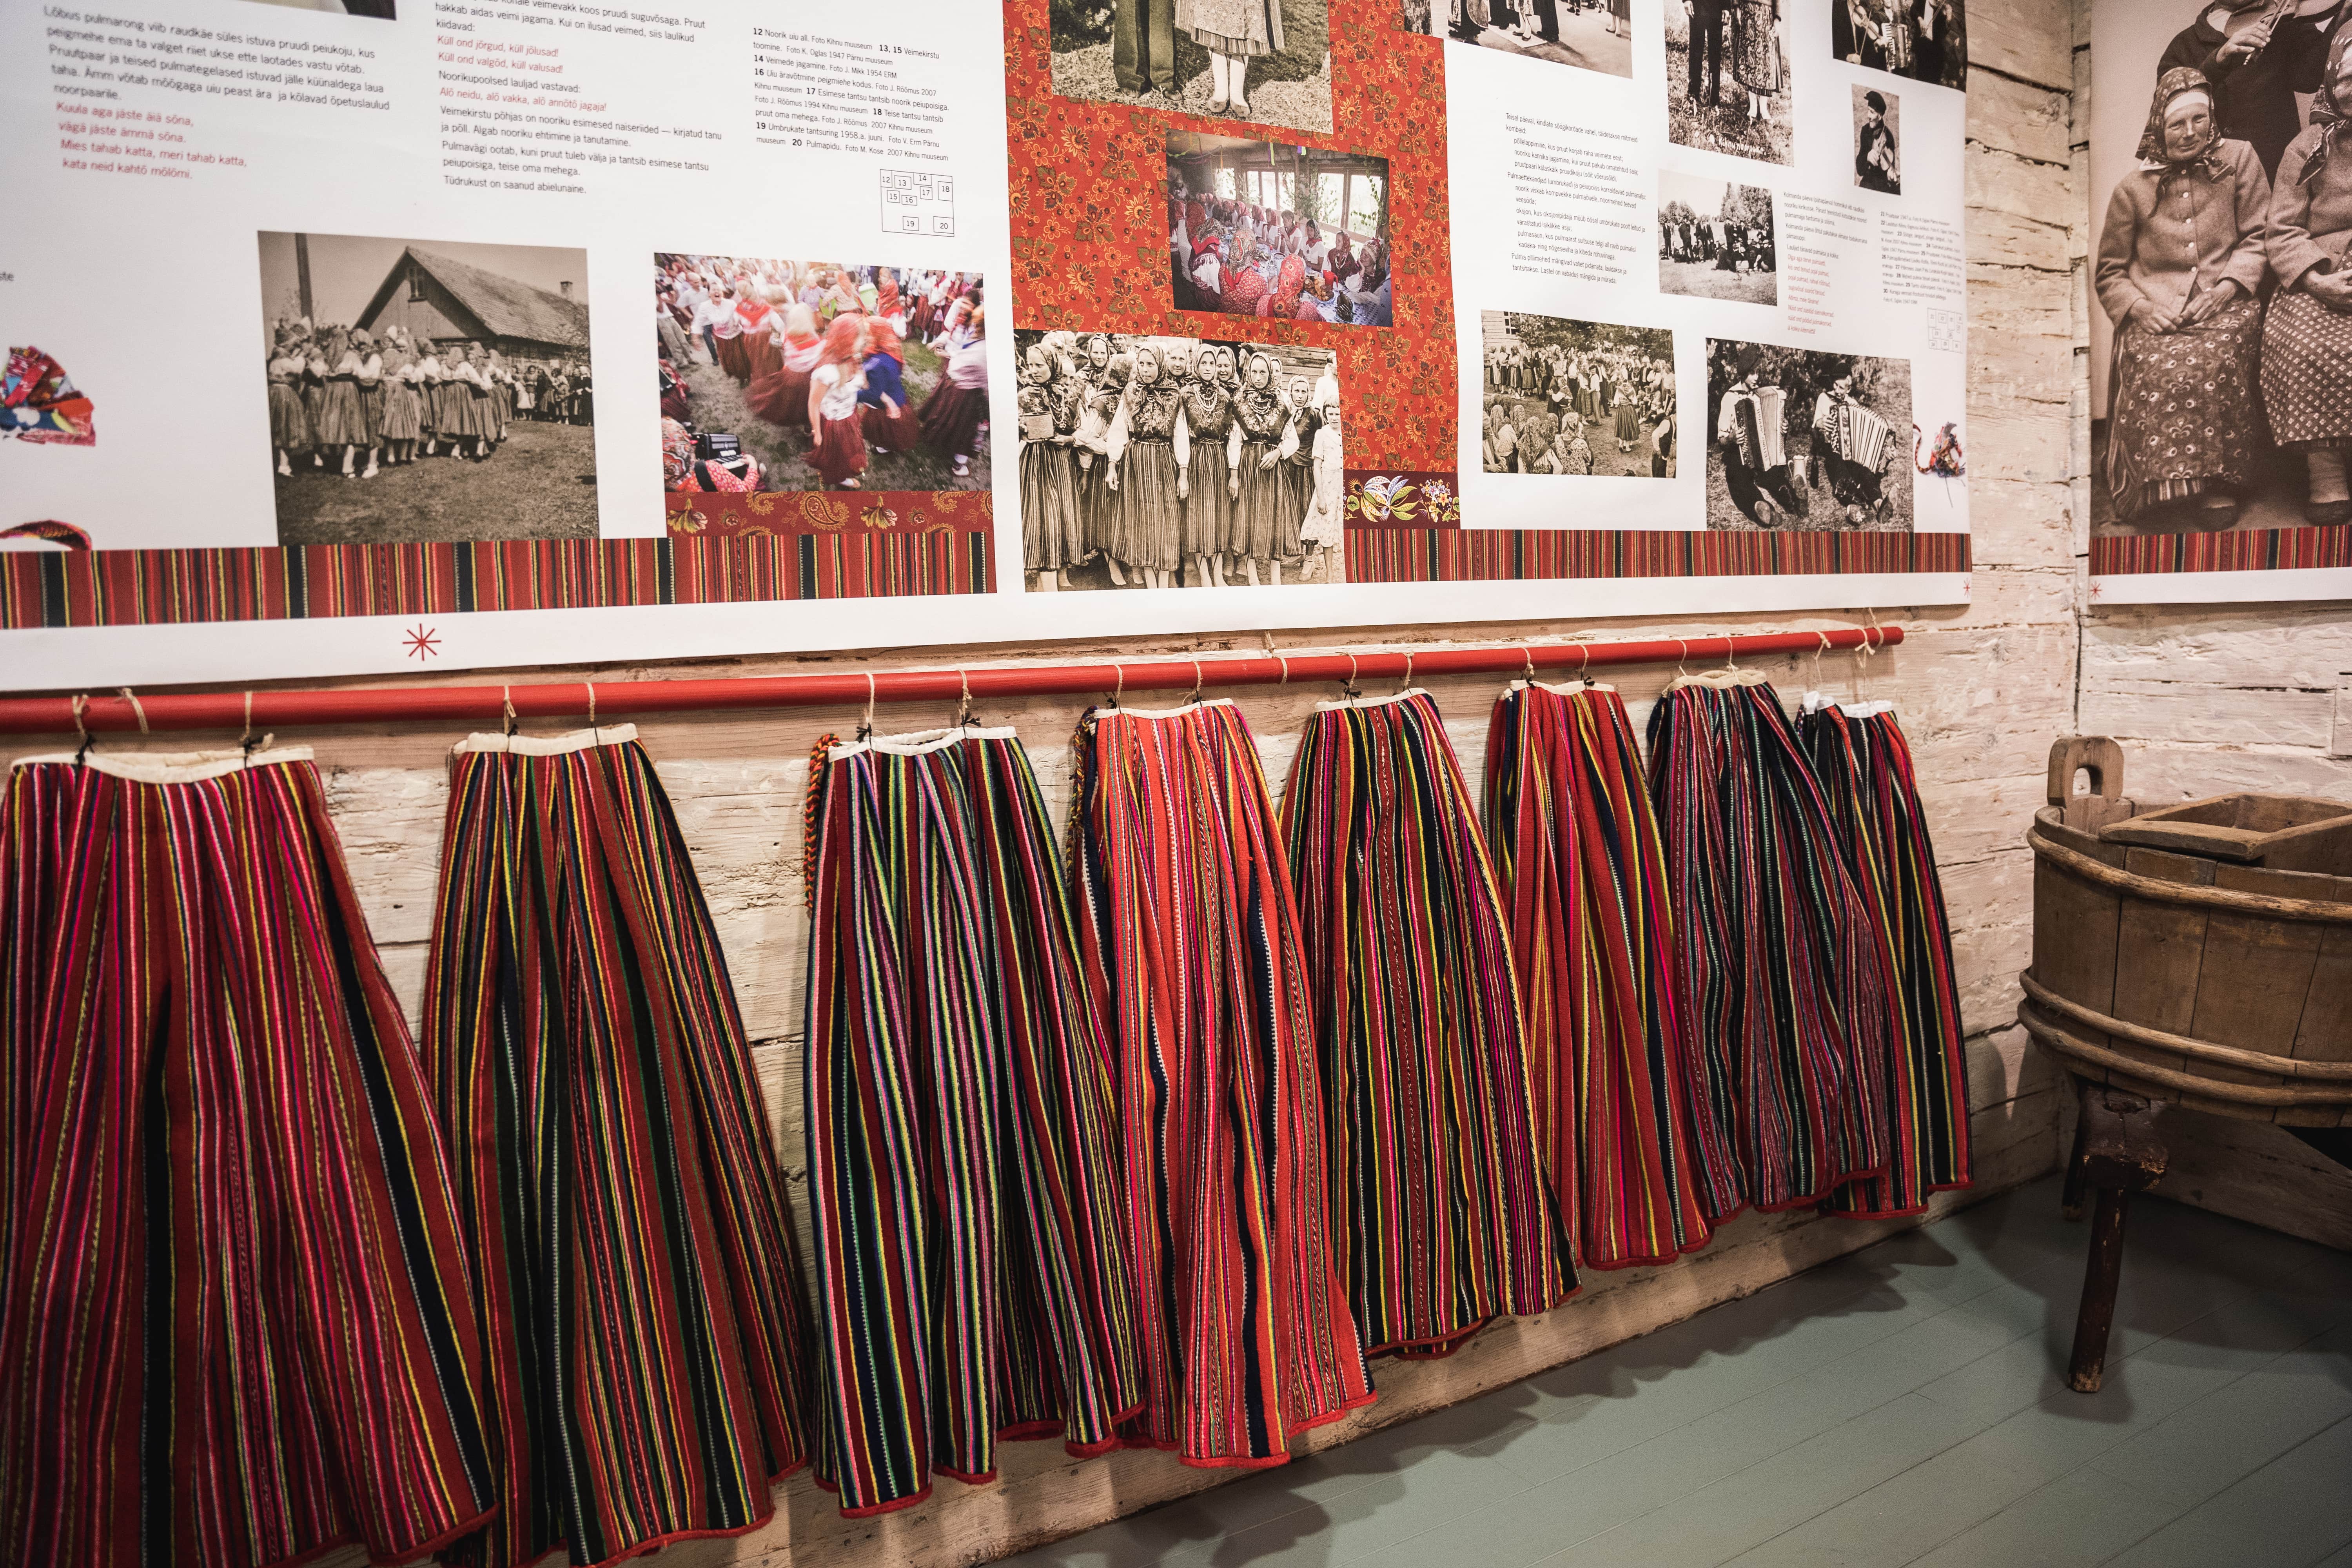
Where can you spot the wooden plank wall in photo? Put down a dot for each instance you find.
(1981, 689)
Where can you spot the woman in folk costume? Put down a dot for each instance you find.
(428, 371)
(290, 422)
(956, 412)
(891, 420)
(335, 419)
(1150, 450)
(841, 297)
(481, 389)
(403, 409)
(1052, 530)
(1324, 529)
(1106, 391)
(1294, 474)
(726, 329)
(2307, 340)
(888, 305)
(751, 314)
(838, 452)
(782, 398)
(1266, 438)
(2180, 273)
(494, 365)
(1755, 53)
(1289, 282)
(1245, 284)
(761, 352)
(1628, 413)
(1209, 509)
(368, 379)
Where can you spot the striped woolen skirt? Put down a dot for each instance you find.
(1864, 765)
(1776, 950)
(1247, 1334)
(1443, 1207)
(973, 1279)
(637, 1292)
(1611, 1052)
(234, 1308)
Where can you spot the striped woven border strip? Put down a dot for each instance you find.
(2255, 550)
(1442, 1200)
(167, 587)
(1473, 556)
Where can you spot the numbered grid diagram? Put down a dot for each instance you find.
(1275, 229)
(1596, 35)
(1716, 240)
(917, 203)
(1803, 439)
(1568, 399)
(807, 375)
(1160, 462)
(427, 391)
(1266, 61)
(1726, 78)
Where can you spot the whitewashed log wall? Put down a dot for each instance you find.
(1981, 690)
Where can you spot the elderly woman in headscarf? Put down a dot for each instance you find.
(1150, 453)
(1209, 509)
(1267, 437)
(1289, 282)
(2179, 267)
(2307, 341)
(1052, 530)
(1104, 379)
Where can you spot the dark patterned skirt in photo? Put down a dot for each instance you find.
(952, 417)
(290, 422)
(338, 422)
(840, 450)
(2186, 413)
(2306, 373)
(1146, 514)
(1209, 511)
(401, 412)
(781, 398)
(1256, 522)
(1053, 531)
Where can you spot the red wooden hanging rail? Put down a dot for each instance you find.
(284, 709)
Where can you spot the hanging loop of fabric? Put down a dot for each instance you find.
(1118, 690)
(1195, 698)
(1405, 684)
(1349, 690)
(136, 711)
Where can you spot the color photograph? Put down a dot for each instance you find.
(807, 375)
(1803, 439)
(1596, 35)
(427, 391)
(1263, 61)
(1261, 229)
(1576, 399)
(1159, 462)
(1715, 240)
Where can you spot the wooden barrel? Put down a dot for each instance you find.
(2201, 953)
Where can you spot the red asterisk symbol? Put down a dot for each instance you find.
(423, 642)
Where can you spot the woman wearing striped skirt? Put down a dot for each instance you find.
(237, 1324)
(1864, 766)
(973, 1277)
(1777, 950)
(1443, 1200)
(1612, 1053)
(1247, 1335)
(638, 1296)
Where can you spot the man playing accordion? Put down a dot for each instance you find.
(1853, 443)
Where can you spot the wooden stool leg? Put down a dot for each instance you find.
(2072, 1196)
(2097, 1316)
(2120, 1154)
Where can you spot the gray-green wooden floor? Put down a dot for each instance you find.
(1901, 1405)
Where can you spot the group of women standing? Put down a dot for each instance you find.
(1247, 260)
(339, 390)
(2231, 305)
(1177, 461)
(822, 348)
(1547, 407)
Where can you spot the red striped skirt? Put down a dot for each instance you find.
(974, 1280)
(1247, 1335)
(238, 1324)
(637, 1294)
(1442, 1200)
(1611, 1050)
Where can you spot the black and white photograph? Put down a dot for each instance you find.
(1877, 140)
(1803, 439)
(2221, 393)
(1926, 40)
(1293, 233)
(806, 375)
(1716, 239)
(1576, 399)
(1267, 62)
(1159, 462)
(1727, 79)
(428, 390)
(1596, 35)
